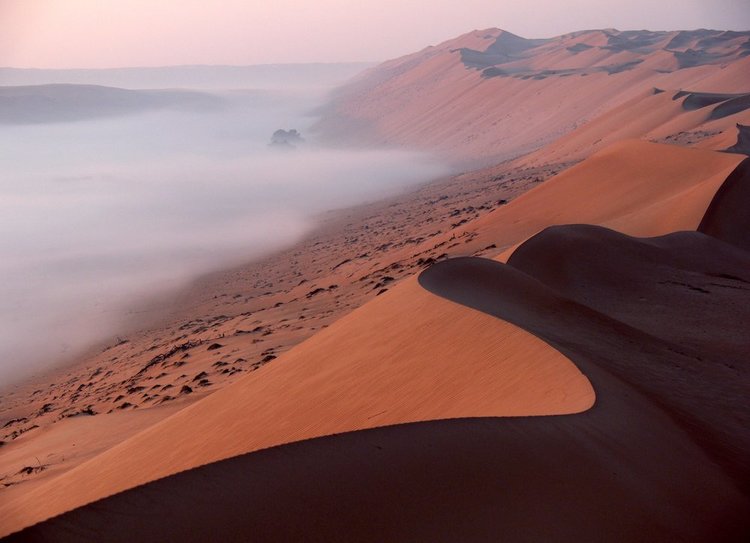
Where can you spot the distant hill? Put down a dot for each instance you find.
(268, 76)
(490, 95)
(63, 103)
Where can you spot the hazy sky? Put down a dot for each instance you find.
(112, 33)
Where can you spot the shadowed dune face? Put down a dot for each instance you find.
(728, 217)
(698, 380)
(523, 479)
(664, 286)
(742, 145)
(686, 292)
(726, 104)
(699, 100)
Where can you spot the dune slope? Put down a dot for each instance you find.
(635, 187)
(654, 115)
(489, 95)
(407, 356)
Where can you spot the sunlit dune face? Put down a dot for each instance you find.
(408, 356)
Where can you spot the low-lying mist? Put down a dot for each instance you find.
(98, 214)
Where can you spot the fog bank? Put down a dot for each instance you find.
(99, 213)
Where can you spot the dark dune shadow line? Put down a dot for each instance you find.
(728, 215)
(668, 316)
(561, 478)
(701, 390)
(662, 456)
(742, 146)
(699, 100)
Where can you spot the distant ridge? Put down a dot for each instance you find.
(688, 48)
(192, 76)
(490, 95)
(66, 102)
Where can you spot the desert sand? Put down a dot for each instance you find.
(550, 347)
(636, 464)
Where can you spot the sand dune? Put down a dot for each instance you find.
(405, 357)
(667, 431)
(489, 95)
(664, 288)
(635, 187)
(408, 356)
(46, 451)
(655, 115)
(256, 313)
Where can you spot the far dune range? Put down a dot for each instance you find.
(395, 394)
(490, 95)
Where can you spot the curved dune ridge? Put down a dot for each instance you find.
(652, 115)
(635, 187)
(408, 356)
(661, 456)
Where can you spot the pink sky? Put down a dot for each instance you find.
(113, 33)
